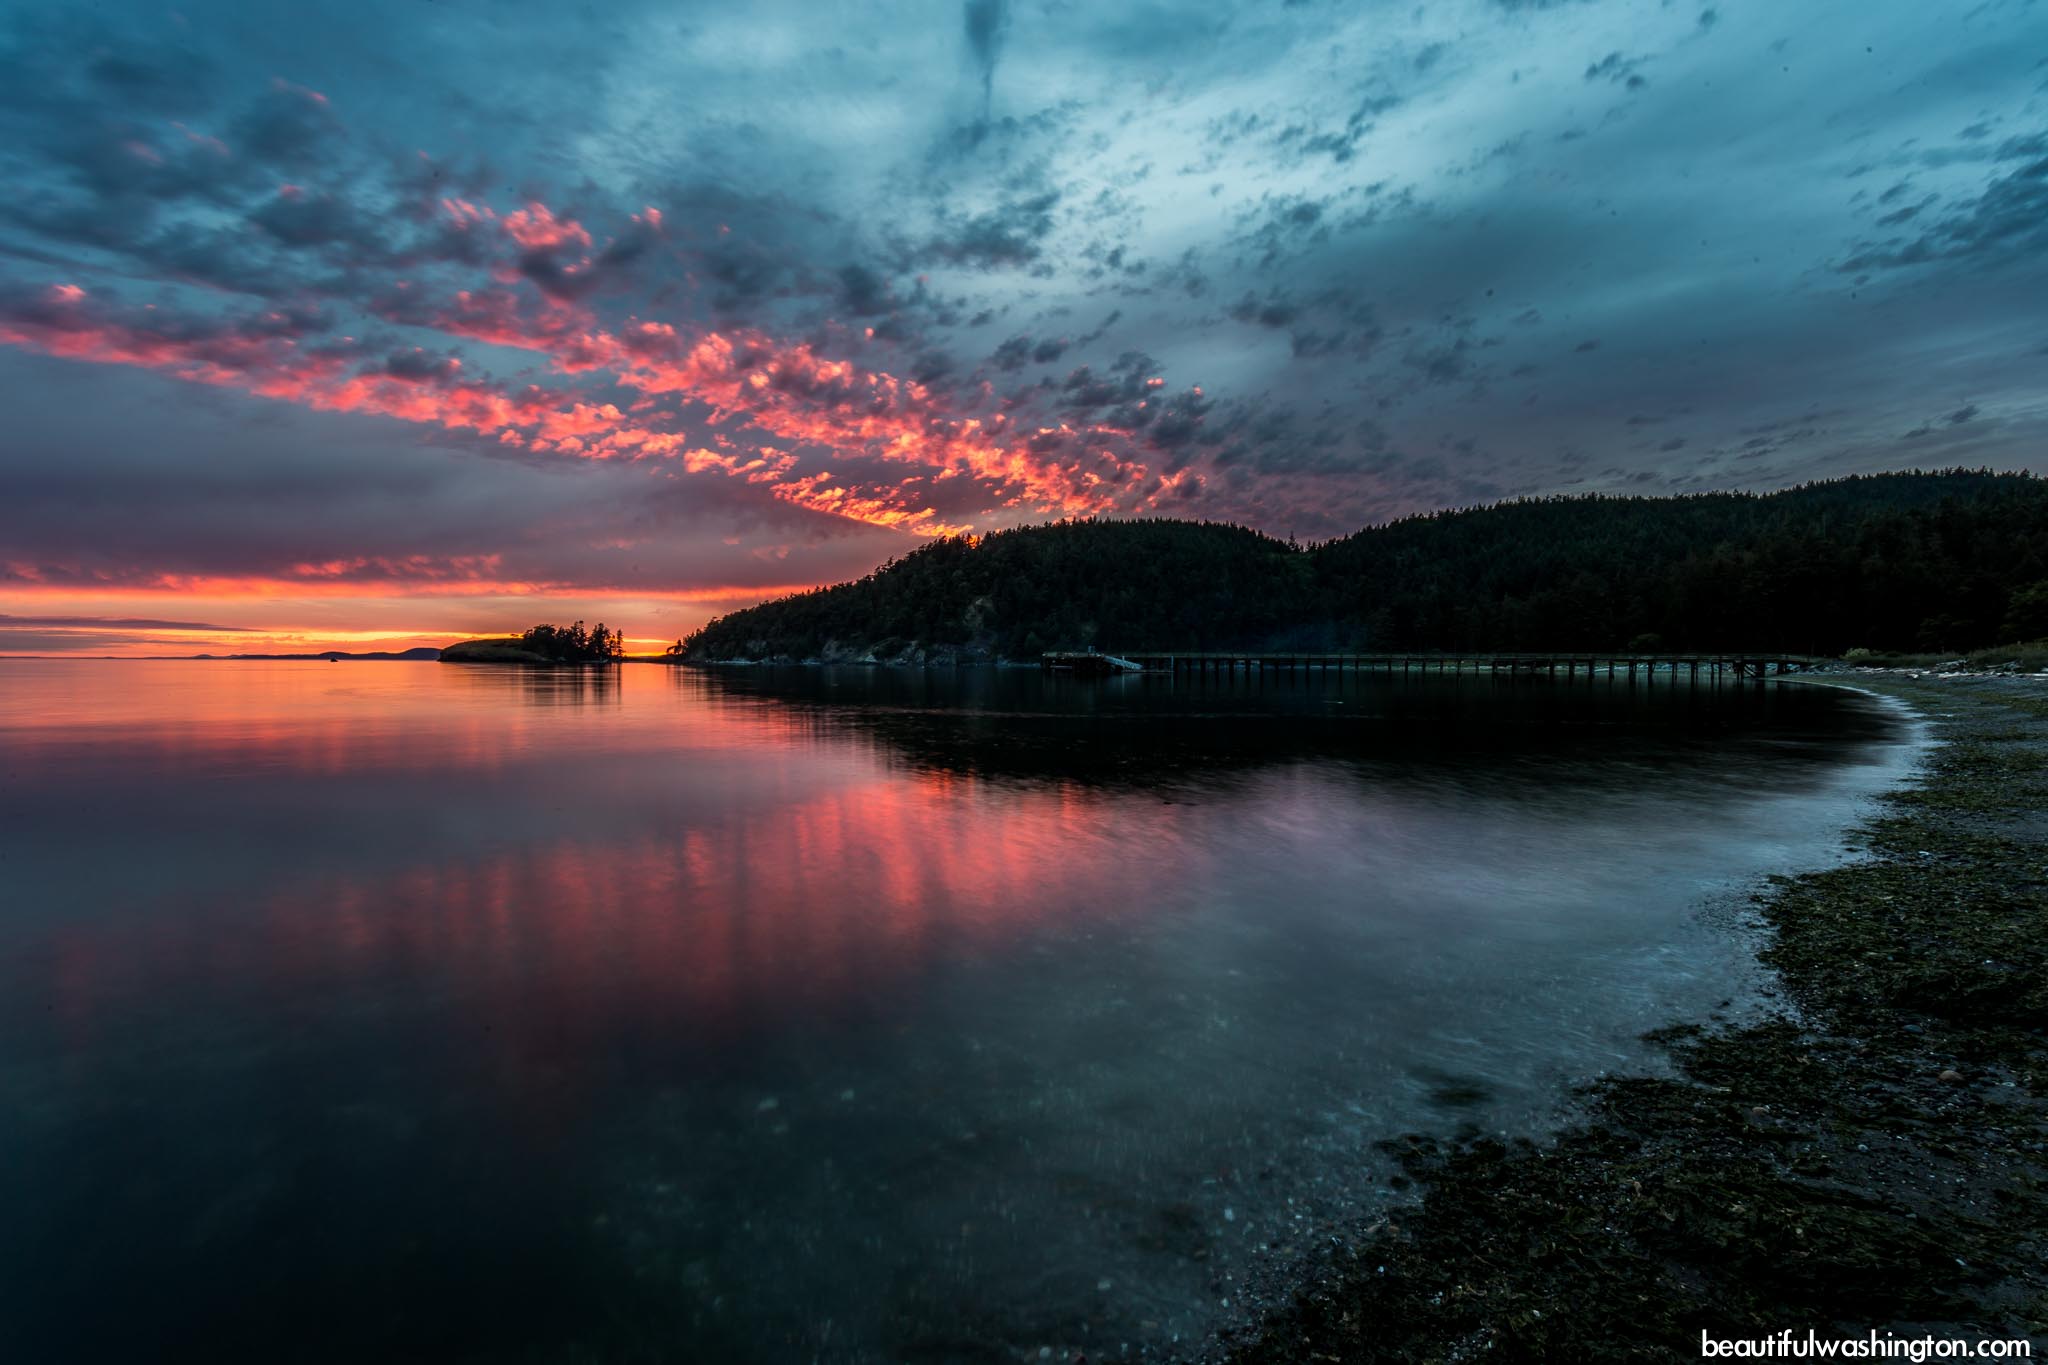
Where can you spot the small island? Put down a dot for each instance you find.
(543, 644)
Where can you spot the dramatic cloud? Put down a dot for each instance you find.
(664, 310)
(987, 24)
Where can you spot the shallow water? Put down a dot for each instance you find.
(406, 1012)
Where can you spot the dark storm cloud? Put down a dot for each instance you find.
(1009, 235)
(1286, 226)
(287, 126)
(864, 292)
(1448, 363)
(1269, 312)
(417, 364)
(2009, 218)
(1340, 145)
(1018, 351)
(299, 219)
(987, 24)
(1618, 70)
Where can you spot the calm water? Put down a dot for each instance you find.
(407, 1012)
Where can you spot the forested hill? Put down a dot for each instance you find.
(1946, 561)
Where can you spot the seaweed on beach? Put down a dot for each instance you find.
(1870, 1157)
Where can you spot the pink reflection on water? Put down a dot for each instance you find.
(727, 862)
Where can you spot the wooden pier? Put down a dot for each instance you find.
(1749, 665)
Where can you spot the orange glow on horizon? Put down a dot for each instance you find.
(312, 616)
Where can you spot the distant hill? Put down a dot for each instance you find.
(504, 650)
(1951, 560)
(422, 652)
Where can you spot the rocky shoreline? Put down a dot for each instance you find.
(1870, 1156)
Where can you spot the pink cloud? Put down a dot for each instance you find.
(536, 228)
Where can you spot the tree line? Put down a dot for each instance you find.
(1946, 560)
(575, 645)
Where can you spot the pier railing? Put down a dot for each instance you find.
(1747, 664)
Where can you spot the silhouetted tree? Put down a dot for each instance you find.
(574, 644)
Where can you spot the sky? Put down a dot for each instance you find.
(402, 321)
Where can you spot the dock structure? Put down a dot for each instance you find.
(1088, 663)
(1756, 665)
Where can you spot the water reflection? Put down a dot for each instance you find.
(554, 686)
(403, 1012)
(1138, 730)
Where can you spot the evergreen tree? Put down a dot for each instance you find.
(1955, 559)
